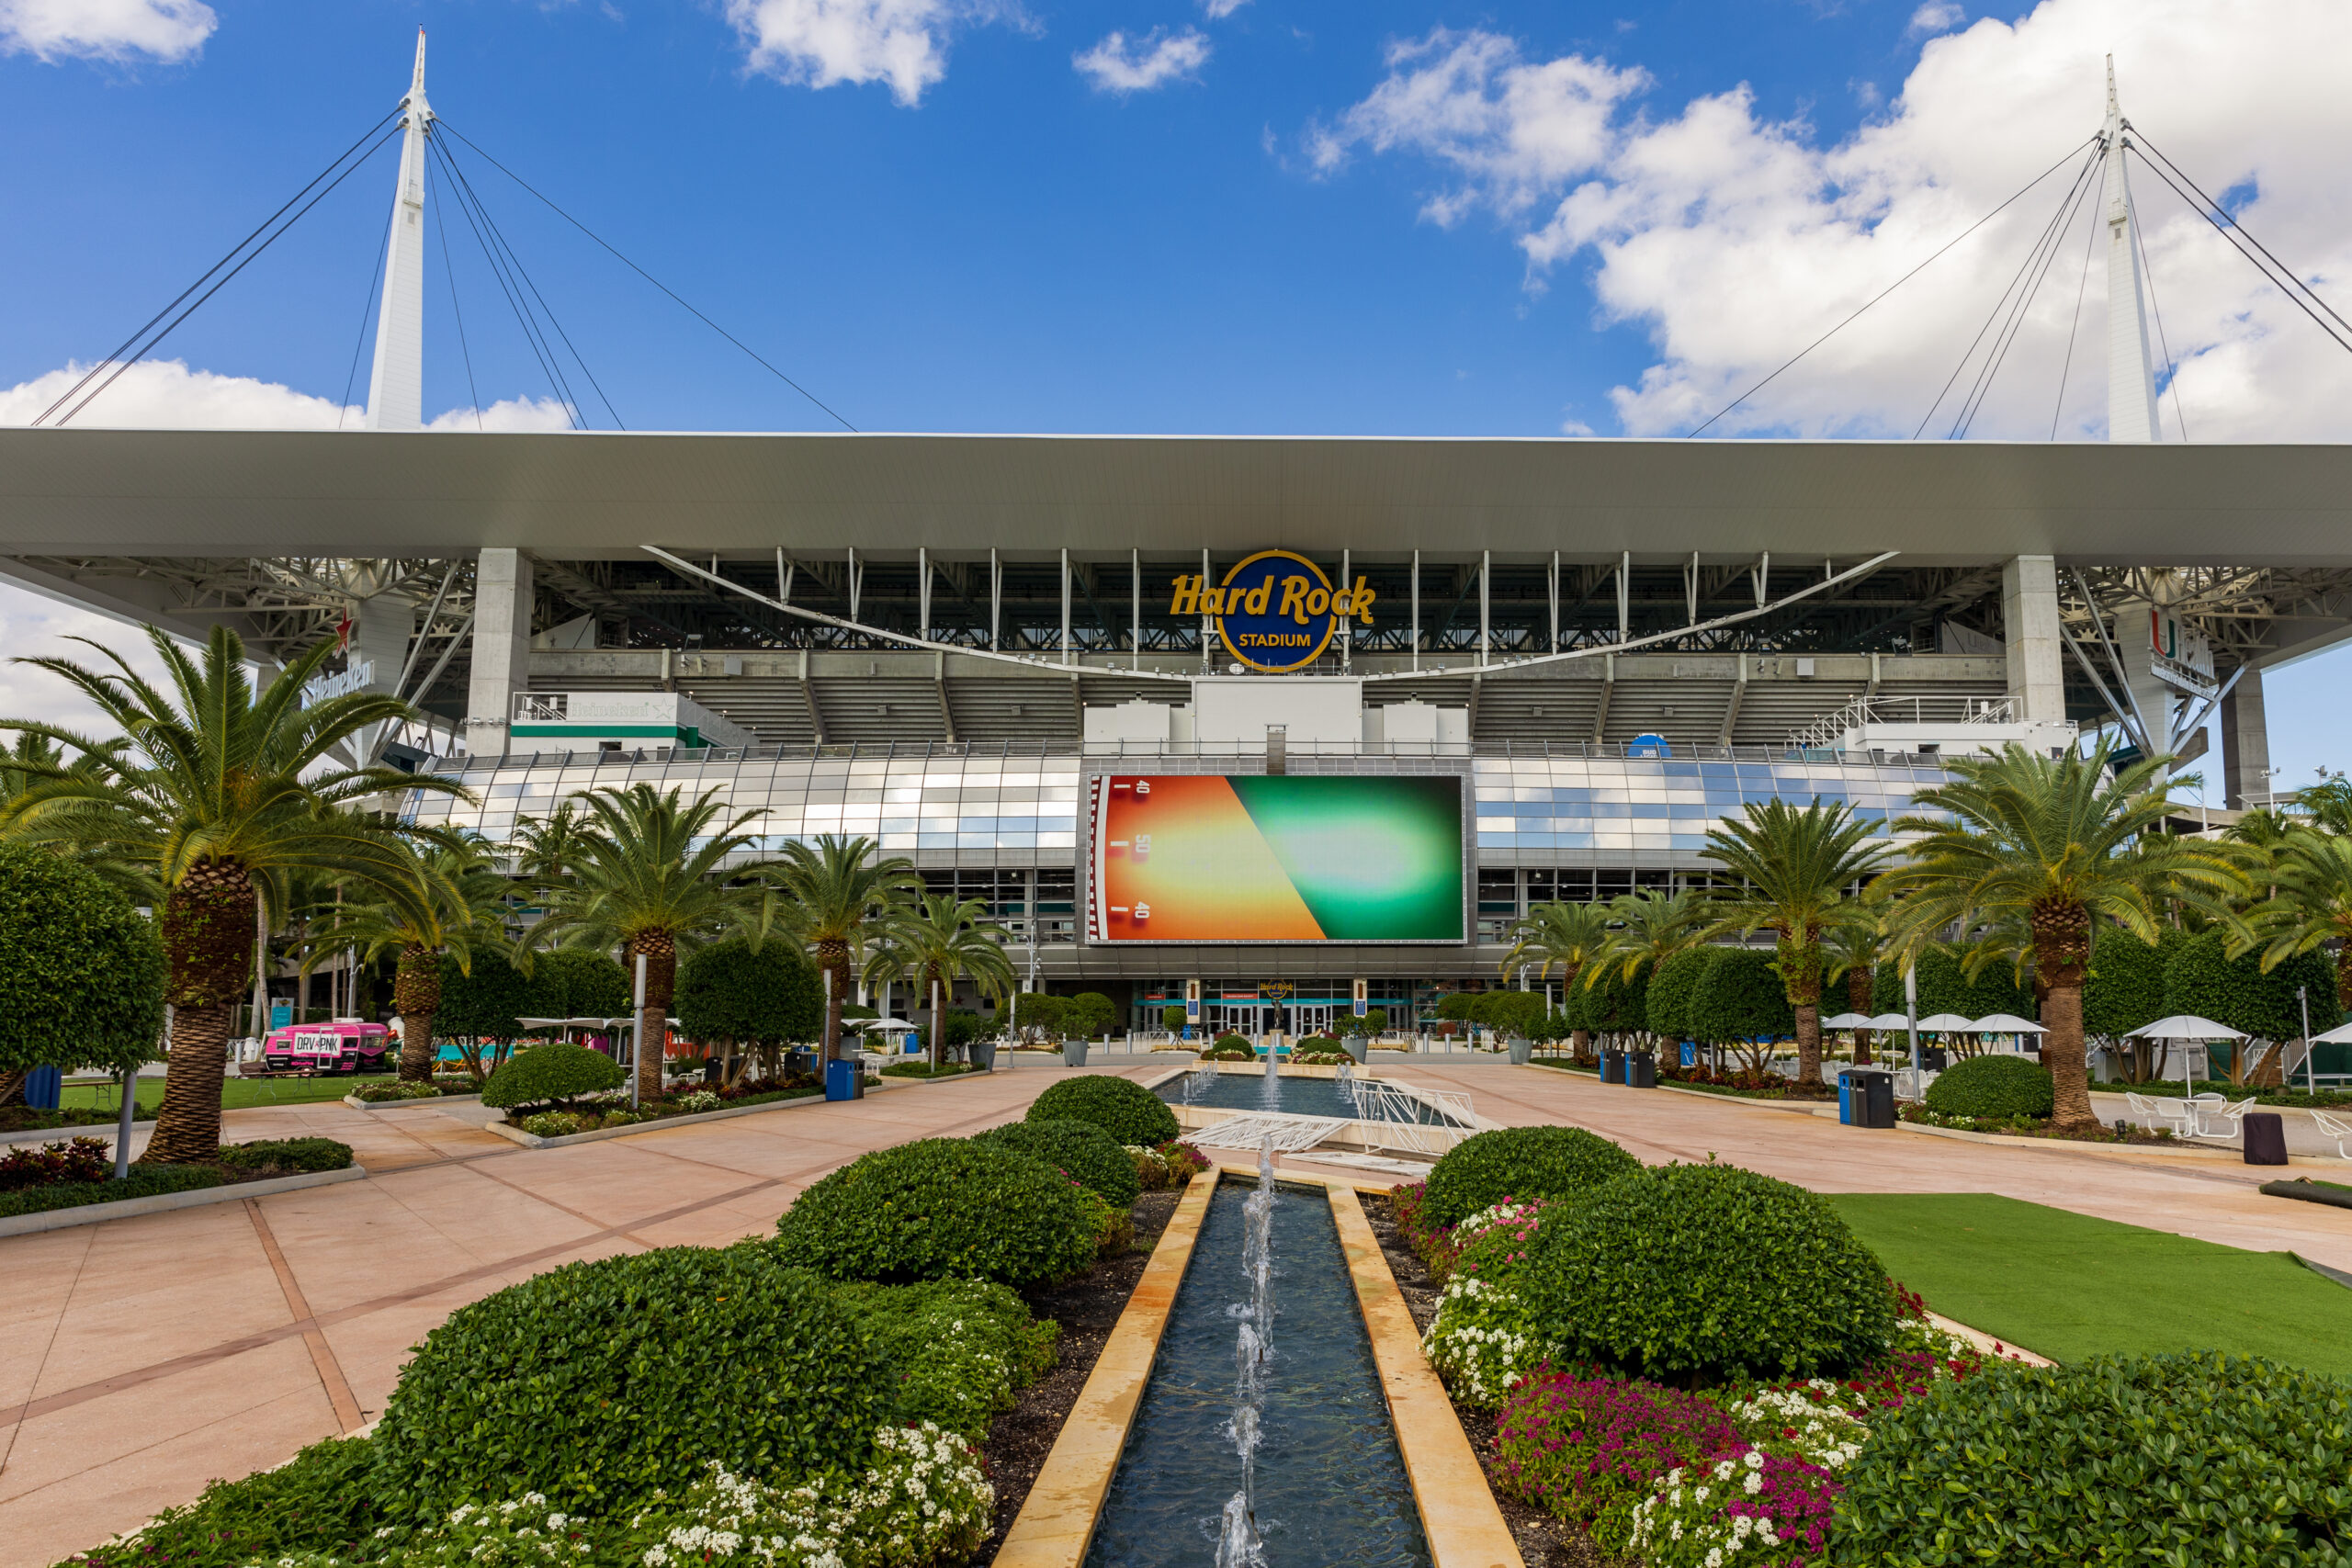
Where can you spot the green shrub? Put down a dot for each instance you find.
(1739, 995)
(1708, 1272)
(81, 971)
(1992, 1086)
(287, 1155)
(1668, 1007)
(1521, 1162)
(320, 1501)
(144, 1181)
(1080, 1150)
(1172, 1017)
(941, 1209)
(552, 1125)
(1229, 1048)
(550, 1074)
(2197, 1457)
(1121, 1107)
(597, 1383)
(955, 1352)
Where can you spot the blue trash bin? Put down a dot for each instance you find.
(1847, 1088)
(1689, 1054)
(43, 1086)
(843, 1080)
(1612, 1066)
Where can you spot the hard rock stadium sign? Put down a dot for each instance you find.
(1275, 612)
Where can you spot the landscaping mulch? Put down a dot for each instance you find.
(1543, 1541)
(1088, 1308)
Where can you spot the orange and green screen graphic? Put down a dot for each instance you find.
(1194, 858)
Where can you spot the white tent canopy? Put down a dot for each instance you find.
(2008, 1023)
(2341, 1036)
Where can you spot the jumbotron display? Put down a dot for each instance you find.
(1219, 858)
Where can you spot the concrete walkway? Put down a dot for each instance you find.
(142, 1358)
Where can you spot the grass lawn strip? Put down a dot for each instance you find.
(2068, 1286)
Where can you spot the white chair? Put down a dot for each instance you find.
(2217, 1118)
(2176, 1114)
(2330, 1127)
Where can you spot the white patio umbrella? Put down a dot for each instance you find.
(2184, 1026)
(888, 1025)
(1849, 1020)
(1948, 1024)
(2340, 1036)
(2008, 1023)
(1889, 1020)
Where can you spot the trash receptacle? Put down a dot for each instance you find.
(1846, 1096)
(845, 1080)
(1689, 1054)
(1358, 1047)
(1934, 1058)
(984, 1055)
(1073, 1053)
(1612, 1066)
(1522, 1049)
(44, 1086)
(1641, 1070)
(2266, 1138)
(1866, 1097)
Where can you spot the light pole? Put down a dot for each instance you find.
(637, 1037)
(2310, 1072)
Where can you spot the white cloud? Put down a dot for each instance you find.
(1734, 240)
(820, 43)
(1218, 10)
(1938, 16)
(507, 414)
(105, 29)
(166, 395)
(1158, 58)
(33, 625)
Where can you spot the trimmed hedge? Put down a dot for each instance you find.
(1521, 1162)
(941, 1208)
(81, 971)
(596, 1383)
(144, 1181)
(2196, 1457)
(552, 1074)
(323, 1500)
(292, 1155)
(1992, 1086)
(1080, 1150)
(1739, 995)
(1121, 1107)
(953, 1351)
(1703, 1274)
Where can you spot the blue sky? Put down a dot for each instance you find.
(1406, 216)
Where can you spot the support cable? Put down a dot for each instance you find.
(2052, 240)
(2002, 302)
(2090, 242)
(2172, 370)
(1841, 326)
(2292, 286)
(2140, 141)
(450, 161)
(714, 326)
(360, 341)
(449, 275)
(515, 303)
(216, 266)
(156, 341)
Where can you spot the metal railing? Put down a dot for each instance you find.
(1829, 731)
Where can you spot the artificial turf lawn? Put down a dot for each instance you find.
(2068, 1286)
(236, 1094)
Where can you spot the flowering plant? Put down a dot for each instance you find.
(699, 1101)
(1484, 1340)
(517, 1533)
(1746, 1507)
(1592, 1448)
(1811, 1421)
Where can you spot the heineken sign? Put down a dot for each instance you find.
(1275, 612)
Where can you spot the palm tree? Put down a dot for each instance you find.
(939, 941)
(835, 888)
(221, 795)
(463, 911)
(2328, 804)
(1794, 868)
(2056, 843)
(1850, 951)
(647, 876)
(1570, 936)
(1652, 927)
(2309, 905)
(545, 847)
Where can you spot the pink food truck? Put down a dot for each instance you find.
(345, 1045)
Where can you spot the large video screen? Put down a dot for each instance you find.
(1249, 858)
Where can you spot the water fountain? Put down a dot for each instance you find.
(1238, 1545)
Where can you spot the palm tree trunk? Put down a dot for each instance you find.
(2061, 1053)
(660, 950)
(833, 957)
(416, 997)
(1800, 973)
(1858, 998)
(1808, 1042)
(207, 930)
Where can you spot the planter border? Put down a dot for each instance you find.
(514, 1135)
(1057, 1521)
(356, 1103)
(163, 1203)
(59, 1134)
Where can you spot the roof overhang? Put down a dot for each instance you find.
(589, 495)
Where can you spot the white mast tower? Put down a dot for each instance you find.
(2131, 373)
(396, 386)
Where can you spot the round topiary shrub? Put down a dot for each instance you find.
(553, 1074)
(2125, 1459)
(1121, 1107)
(1080, 1150)
(1521, 1162)
(1708, 1272)
(1998, 1087)
(941, 1208)
(1229, 1048)
(599, 1383)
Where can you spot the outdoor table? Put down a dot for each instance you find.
(2266, 1138)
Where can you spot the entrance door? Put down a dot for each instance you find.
(1310, 1018)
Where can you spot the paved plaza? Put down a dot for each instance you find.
(142, 1358)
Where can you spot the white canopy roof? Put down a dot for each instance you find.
(2184, 1026)
(2009, 1023)
(2341, 1036)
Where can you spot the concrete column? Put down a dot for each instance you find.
(387, 622)
(502, 648)
(2029, 619)
(2246, 742)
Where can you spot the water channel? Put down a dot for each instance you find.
(1274, 1091)
(1263, 1436)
